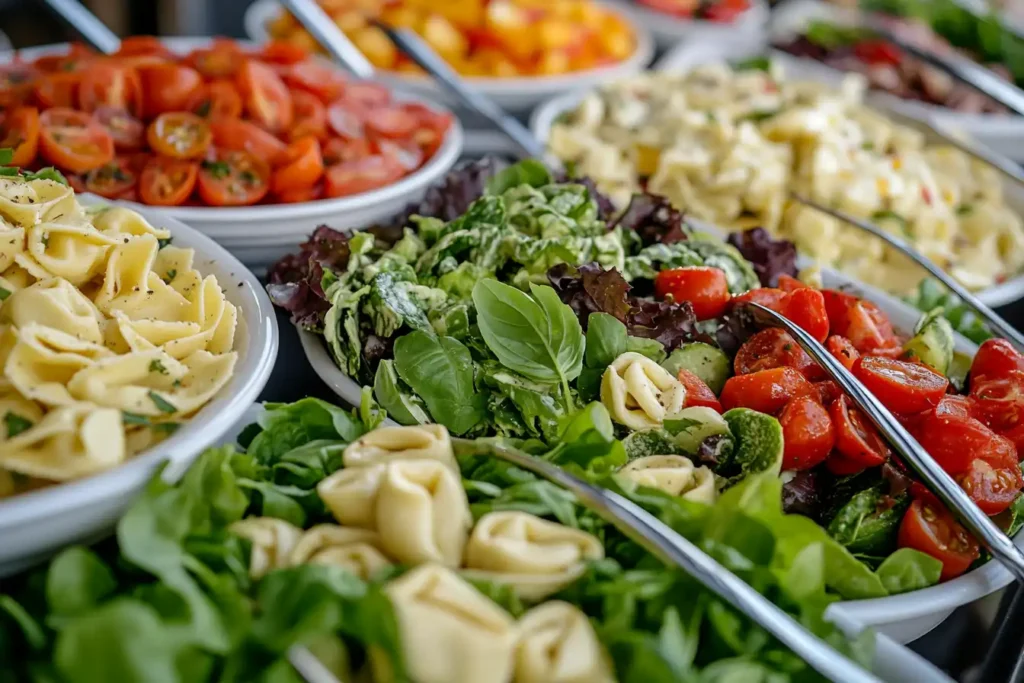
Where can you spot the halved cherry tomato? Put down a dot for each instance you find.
(706, 289)
(222, 60)
(952, 404)
(310, 116)
(244, 136)
(807, 433)
(390, 122)
(135, 46)
(999, 399)
(346, 121)
(857, 440)
(361, 175)
(58, 89)
(933, 531)
(19, 131)
(368, 95)
(323, 81)
(723, 11)
(233, 178)
(167, 182)
(104, 84)
(167, 87)
(805, 307)
(112, 179)
(304, 194)
(407, 153)
(180, 135)
(837, 306)
(697, 392)
(774, 348)
(996, 358)
(877, 52)
(301, 165)
(766, 296)
(868, 328)
(992, 489)
(955, 442)
(72, 60)
(72, 140)
(265, 95)
(902, 387)
(283, 52)
(767, 391)
(432, 127)
(17, 81)
(843, 350)
(788, 283)
(828, 391)
(338, 150)
(216, 99)
(127, 131)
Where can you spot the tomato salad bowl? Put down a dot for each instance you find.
(251, 146)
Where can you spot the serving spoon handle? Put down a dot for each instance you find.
(994, 320)
(934, 477)
(87, 24)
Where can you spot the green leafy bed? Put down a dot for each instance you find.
(171, 599)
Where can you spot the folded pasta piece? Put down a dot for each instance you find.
(357, 550)
(67, 443)
(557, 644)
(673, 474)
(450, 632)
(18, 412)
(639, 393)
(214, 320)
(43, 360)
(533, 555)
(172, 262)
(423, 442)
(118, 220)
(130, 285)
(12, 243)
(351, 495)
(28, 202)
(75, 251)
(54, 303)
(272, 542)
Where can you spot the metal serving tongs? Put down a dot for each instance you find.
(674, 550)
(992, 318)
(937, 480)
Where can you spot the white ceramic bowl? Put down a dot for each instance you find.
(1002, 132)
(513, 94)
(699, 53)
(259, 235)
(668, 30)
(37, 524)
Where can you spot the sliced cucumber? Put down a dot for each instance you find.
(759, 441)
(707, 362)
(932, 342)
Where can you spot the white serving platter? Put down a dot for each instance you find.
(513, 94)
(37, 524)
(259, 235)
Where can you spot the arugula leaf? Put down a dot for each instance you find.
(527, 172)
(539, 338)
(288, 426)
(440, 371)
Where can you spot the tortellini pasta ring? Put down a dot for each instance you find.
(67, 443)
(272, 540)
(557, 644)
(357, 550)
(639, 393)
(429, 442)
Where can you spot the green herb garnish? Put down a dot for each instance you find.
(162, 404)
(218, 169)
(156, 365)
(4, 293)
(134, 418)
(16, 424)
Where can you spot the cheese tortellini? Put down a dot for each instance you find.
(673, 474)
(427, 442)
(639, 393)
(450, 632)
(418, 507)
(273, 541)
(557, 644)
(533, 555)
(730, 146)
(357, 550)
(108, 341)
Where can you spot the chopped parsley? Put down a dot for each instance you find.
(45, 239)
(249, 177)
(171, 274)
(203, 109)
(164, 242)
(176, 384)
(4, 293)
(867, 145)
(756, 116)
(167, 427)
(964, 209)
(6, 155)
(753, 64)
(162, 404)
(134, 418)
(218, 169)
(16, 424)
(156, 366)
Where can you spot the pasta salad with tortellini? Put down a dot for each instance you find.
(728, 145)
(400, 554)
(109, 335)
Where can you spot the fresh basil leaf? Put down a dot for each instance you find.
(909, 570)
(403, 407)
(440, 371)
(606, 340)
(527, 172)
(540, 339)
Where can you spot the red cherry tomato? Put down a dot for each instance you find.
(58, 89)
(71, 140)
(361, 175)
(233, 178)
(222, 60)
(283, 52)
(216, 99)
(806, 308)
(19, 132)
(877, 52)
(338, 150)
(167, 87)
(310, 116)
(324, 81)
(996, 358)
(788, 283)
(432, 128)
(933, 531)
(113, 179)
(17, 82)
(127, 131)
(167, 182)
(857, 440)
(346, 121)
(407, 153)
(105, 84)
(134, 46)
(767, 391)
(837, 306)
(766, 296)
(999, 399)
(265, 95)
(300, 166)
(245, 136)
(390, 122)
(828, 391)
(366, 95)
(697, 392)
(706, 289)
(774, 348)
(902, 387)
(843, 350)
(992, 489)
(868, 328)
(180, 135)
(807, 432)
(955, 442)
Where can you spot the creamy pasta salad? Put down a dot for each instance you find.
(729, 145)
(109, 336)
